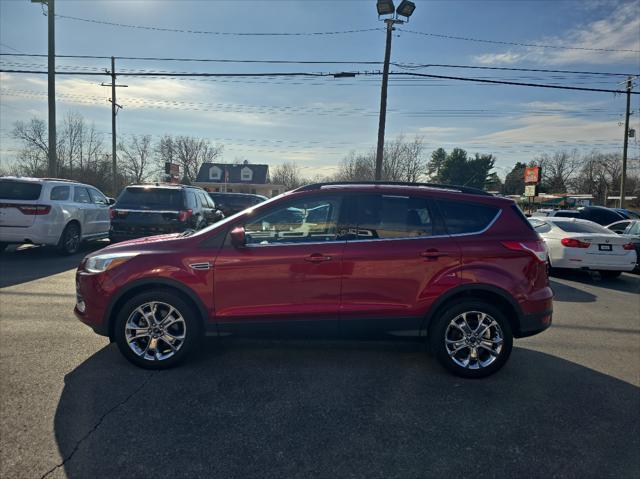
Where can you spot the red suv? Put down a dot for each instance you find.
(454, 265)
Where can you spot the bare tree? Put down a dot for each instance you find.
(287, 174)
(558, 169)
(135, 157)
(403, 161)
(188, 152)
(32, 158)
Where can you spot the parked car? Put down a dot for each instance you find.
(599, 214)
(633, 233)
(619, 226)
(454, 265)
(49, 211)
(585, 245)
(629, 214)
(148, 210)
(232, 203)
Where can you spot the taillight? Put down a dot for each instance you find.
(629, 246)
(34, 209)
(574, 243)
(113, 213)
(184, 215)
(535, 248)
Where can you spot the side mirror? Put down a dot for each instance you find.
(111, 201)
(238, 238)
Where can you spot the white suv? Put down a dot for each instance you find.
(51, 212)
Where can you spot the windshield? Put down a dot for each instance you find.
(151, 199)
(571, 227)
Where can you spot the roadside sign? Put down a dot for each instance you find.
(532, 175)
(531, 190)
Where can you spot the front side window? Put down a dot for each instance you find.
(466, 218)
(97, 197)
(305, 220)
(81, 195)
(389, 216)
(60, 193)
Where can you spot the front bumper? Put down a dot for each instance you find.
(91, 301)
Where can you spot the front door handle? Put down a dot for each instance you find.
(433, 254)
(317, 258)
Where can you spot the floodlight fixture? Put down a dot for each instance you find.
(406, 8)
(385, 7)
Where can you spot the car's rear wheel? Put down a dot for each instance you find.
(610, 274)
(471, 339)
(157, 329)
(70, 239)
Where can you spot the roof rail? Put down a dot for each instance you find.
(60, 179)
(461, 189)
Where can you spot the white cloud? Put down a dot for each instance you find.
(440, 131)
(619, 30)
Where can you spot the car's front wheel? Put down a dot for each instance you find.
(471, 339)
(157, 329)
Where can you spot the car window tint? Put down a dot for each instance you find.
(191, 199)
(60, 193)
(571, 227)
(302, 221)
(81, 195)
(97, 197)
(390, 216)
(19, 190)
(463, 217)
(567, 214)
(151, 199)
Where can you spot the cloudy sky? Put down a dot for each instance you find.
(317, 121)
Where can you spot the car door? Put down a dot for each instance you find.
(287, 276)
(86, 213)
(397, 261)
(100, 208)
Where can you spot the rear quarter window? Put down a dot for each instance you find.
(60, 193)
(19, 190)
(464, 217)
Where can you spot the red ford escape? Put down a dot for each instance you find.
(452, 265)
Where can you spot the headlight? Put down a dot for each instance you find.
(103, 262)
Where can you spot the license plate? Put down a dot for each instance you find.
(604, 247)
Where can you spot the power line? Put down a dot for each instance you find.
(339, 32)
(518, 44)
(205, 32)
(502, 82)
(408, 65)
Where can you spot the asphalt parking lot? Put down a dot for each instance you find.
(566, 405)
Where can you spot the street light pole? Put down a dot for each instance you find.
(383, 98)
(623, 176)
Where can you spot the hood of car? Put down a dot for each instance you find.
(143, 244)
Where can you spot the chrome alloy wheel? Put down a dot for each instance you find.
(473, 340)
(155, 331)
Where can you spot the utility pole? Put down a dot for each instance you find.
(623, 180)
(52, 166)
(383, 97)
(114, 112)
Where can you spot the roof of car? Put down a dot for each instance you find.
(39, 180)
(169, 186)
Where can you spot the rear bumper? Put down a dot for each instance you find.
(535, 323)
(37, 234)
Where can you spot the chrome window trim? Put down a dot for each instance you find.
(253, 245)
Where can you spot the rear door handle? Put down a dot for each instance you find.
(317, 258)
(433, 254)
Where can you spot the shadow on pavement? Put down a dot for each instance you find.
(627, 282)
(565, 293)
(243, 408)
(28, 263)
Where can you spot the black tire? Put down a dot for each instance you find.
(3, 246)
(438, 334)
(70, 239)
(192, 330)
(610, 274)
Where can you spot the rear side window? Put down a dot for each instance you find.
(81, 195)
(151, 199)
(462, 217)
(389, 216)
(19, 190)
(571, 227)
(60, 193)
